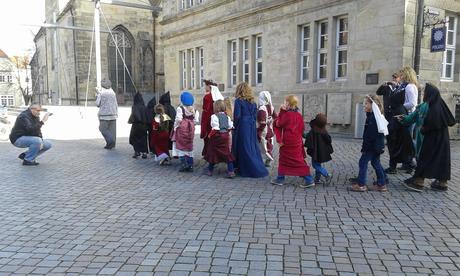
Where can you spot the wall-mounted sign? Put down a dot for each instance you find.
(372, 78)
(438, 39)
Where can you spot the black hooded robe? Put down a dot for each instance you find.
(150, 117)
(138, 119)
(434, 159)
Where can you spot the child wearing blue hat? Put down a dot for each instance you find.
(184, 132)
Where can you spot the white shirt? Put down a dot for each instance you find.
(411, 96)
(215, 122)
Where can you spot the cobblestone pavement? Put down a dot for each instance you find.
(86, 210)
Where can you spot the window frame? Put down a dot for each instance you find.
(201, 66)
(183, 59)
(258, 60)
(449, 48)
(192, 63)
(233, 63)
(304, 53)
(341, 48)
(322, 51)
(246, 77)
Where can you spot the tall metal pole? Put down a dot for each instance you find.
(97, 39)
(418, 39)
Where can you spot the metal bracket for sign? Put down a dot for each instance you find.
(432, 18)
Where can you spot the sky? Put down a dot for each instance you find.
(14, 38)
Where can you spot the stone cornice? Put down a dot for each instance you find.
(192, 11)
(232, 18)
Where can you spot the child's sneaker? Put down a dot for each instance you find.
(355, 187)
(328, 179)
(277, 181)
(231, 175)
(380, 188)
(307, 185)
(268, 163)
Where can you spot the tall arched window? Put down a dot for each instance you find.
(121, 82)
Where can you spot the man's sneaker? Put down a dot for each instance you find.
(144, 155)
(22, 156)
(277, 181)
(391, 171)
(409, 180)
(29, 163)
(413, 186)
(136, 155)
(307, 185)
(231, 175)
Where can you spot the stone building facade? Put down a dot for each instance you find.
(10, 80)
(62, 57)
(325, 51)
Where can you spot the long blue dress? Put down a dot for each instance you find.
(245, 147)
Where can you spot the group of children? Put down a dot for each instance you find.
(244, 137)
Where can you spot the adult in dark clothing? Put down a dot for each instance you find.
(26, 133)
(434, 158)
(165, 100)
(400, 144)
(138, 121)
(150, 116)
(386, 90)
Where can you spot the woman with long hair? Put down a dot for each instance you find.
(245, 146)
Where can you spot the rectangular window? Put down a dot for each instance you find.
(304, 52)
(191, 3)
(201, 65)
(184, 69)
(9, 78)
(7, 100)
(2, 78)
(341, 48)
(192, 69)
(246, 60)
(10, 100)
(233, 63)
(322, 50)
(258, 59)
(183, 4)
(448, 59)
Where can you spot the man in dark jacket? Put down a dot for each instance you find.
(26, 133)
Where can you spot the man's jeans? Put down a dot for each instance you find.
(35, 144)
(375, 162)
(108, 129)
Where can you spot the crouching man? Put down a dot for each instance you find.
(26, 133)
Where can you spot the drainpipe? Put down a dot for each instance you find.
(418, 39)
(75, 56)
(154, 60)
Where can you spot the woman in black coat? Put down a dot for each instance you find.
(138, 121)
(399, 140)
(434, 158)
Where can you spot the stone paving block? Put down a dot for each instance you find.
(109, 212)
